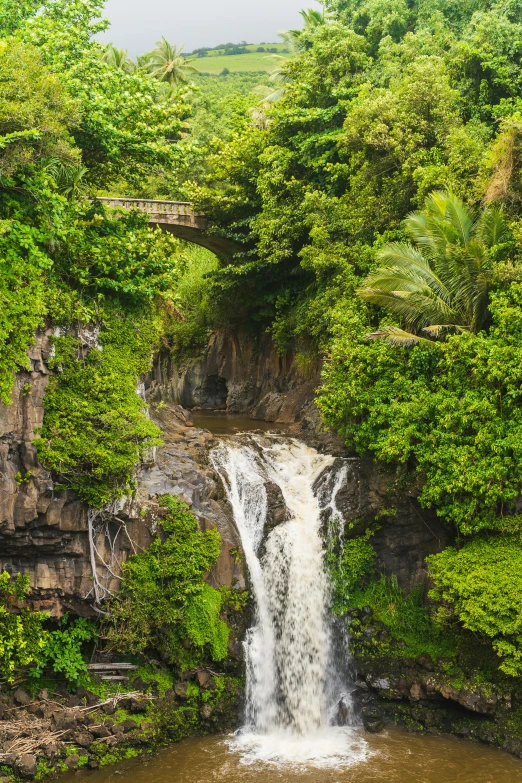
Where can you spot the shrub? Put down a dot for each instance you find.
(94, 429)
(481, 587)
(24, 641)
(164, 602)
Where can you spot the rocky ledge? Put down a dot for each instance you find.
(46, 735)
(431, 695)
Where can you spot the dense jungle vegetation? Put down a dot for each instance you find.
(378, 203)
(374, 185)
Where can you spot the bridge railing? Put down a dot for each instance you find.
(150, 206)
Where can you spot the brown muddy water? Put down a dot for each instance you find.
(231, 424)
(392, 757)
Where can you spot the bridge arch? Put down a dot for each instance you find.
(178, 218)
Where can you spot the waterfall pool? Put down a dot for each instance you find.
(392, 757)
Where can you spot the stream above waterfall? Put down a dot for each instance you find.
(222, 423)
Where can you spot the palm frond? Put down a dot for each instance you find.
(435, 330)
(395, 336)
(493, 228)
(441, 282)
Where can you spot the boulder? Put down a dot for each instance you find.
(372, 719)
(21, 697)
(100, 732)
(25, 765)
(180, 690)
(204, 679)
(138, 705)
(90, 698)
(64, 721)
(84, 739)
(127, 725)
(72, 761)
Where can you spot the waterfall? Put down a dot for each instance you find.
(290, 695)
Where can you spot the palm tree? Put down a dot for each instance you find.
(166, 63)
(118, 58)
(294, 38)
(69, 177)
(440, 282)
(278, 75)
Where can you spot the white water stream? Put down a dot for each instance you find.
(292, 686)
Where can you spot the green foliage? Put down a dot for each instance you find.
(55, 91)
(94, 428)
(188, 327)
(61, 649)
(164, 602)
(359, 138)
(441, 282)
(117, 137)
(36, 113)
(166, 63)
(24, 640)
(347, 568)
(406, 618)
(21, 635)
(453, 417)
(480, 585)
(35, 116)
(118, 255)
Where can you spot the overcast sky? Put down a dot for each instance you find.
(138, 24)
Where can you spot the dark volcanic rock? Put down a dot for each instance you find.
(277, 510)
(26, 765)
(22, 697)
(373, 720)
(84, 739)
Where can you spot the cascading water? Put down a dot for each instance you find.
(290, 699)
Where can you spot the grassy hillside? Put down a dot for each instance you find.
(236, 63)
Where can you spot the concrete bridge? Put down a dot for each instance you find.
(178, 218)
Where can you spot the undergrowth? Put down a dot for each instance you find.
(407, 619)
(164, 602)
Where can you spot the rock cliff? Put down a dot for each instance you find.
(240, 373)
(56, 539)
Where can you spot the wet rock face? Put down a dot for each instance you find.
(277, 510)
(418, 694)
(241, 373)
(411, 681)
(41, 531)
(405, 535)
